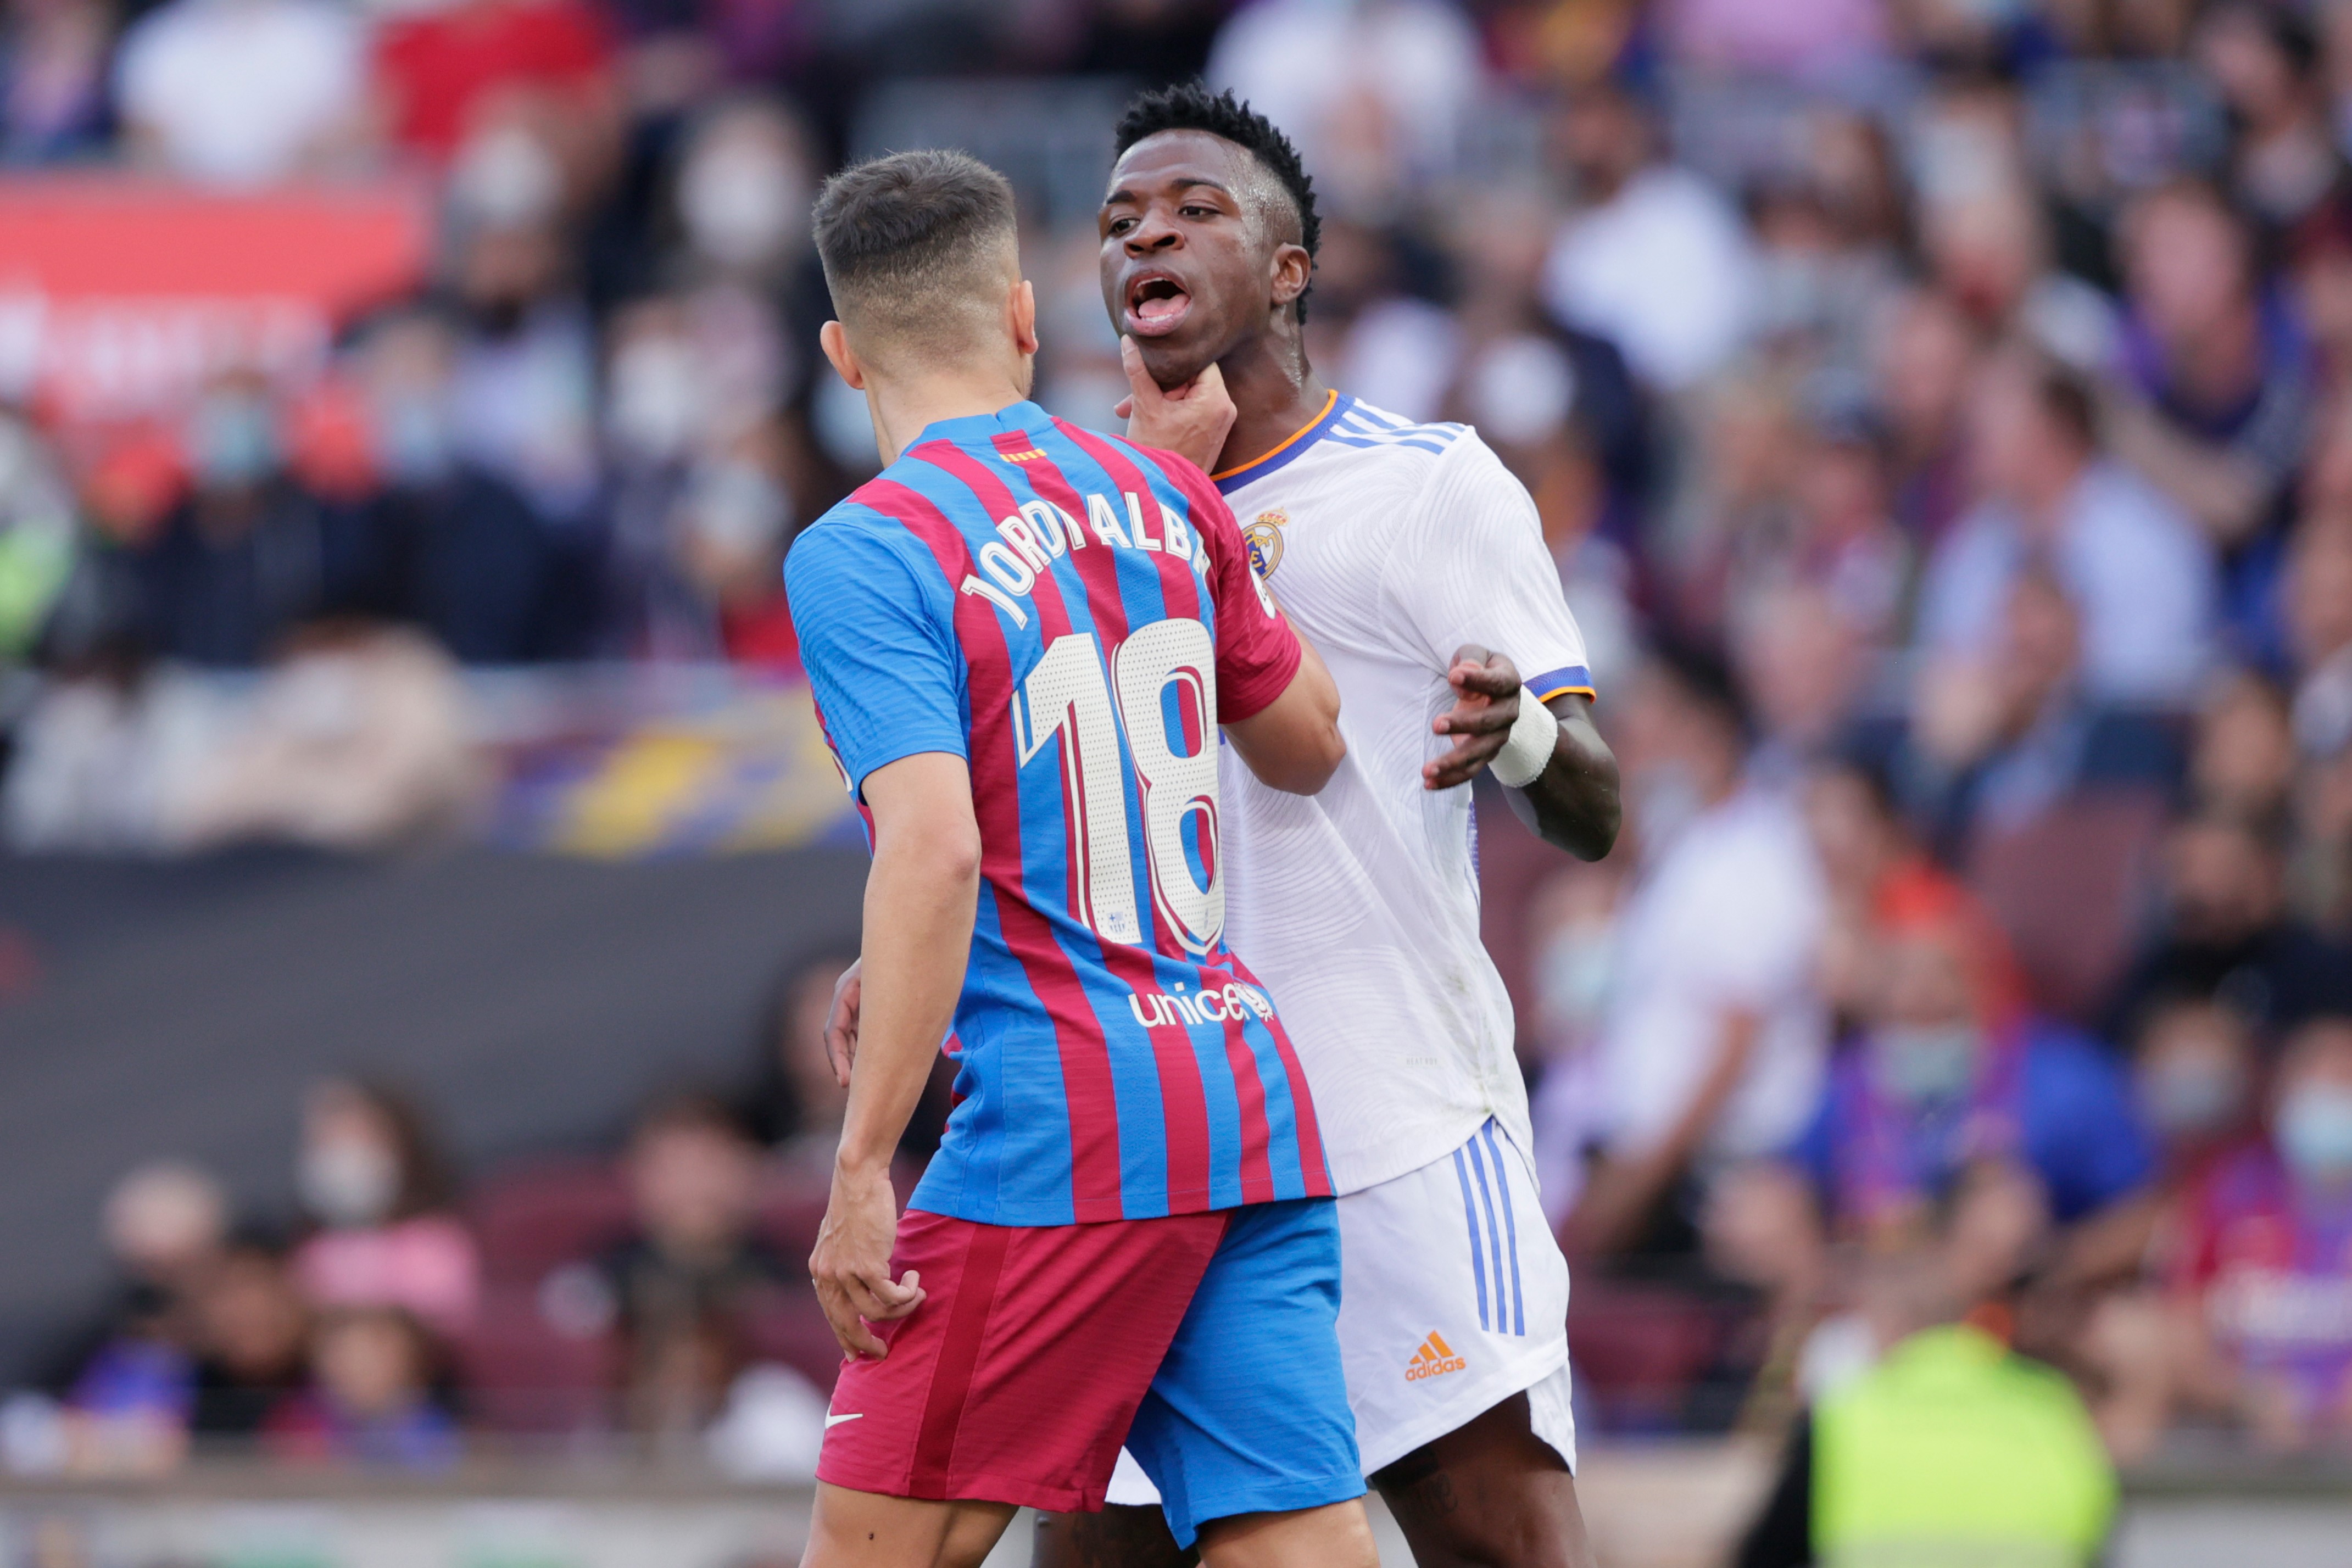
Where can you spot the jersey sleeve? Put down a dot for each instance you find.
(1257, 652)
(1472, 566)
(879, 647)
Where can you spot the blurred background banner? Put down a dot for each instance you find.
(121, 295)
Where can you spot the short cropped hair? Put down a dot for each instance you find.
(910, 241)
(1191, 106)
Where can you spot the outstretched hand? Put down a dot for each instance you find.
(1190, 420)
(1487, 697)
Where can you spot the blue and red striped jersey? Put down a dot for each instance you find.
(1074, 616)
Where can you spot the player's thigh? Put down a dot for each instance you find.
(1489, 1494)
(1120, 1536)
(1455, 1299)
(867, 1530)
(1248, 1413)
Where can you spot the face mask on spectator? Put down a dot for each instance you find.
(743, 203)
(656, 408)
(413, 440)
(232, 440)
(1927, 1062)
(508, 178)
(1572, 974)
(2315, 1134)
(2192, 1096)
(348, 1182)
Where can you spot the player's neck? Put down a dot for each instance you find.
(1275, 395)
(902, 411)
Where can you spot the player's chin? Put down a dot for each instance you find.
(1175, 358)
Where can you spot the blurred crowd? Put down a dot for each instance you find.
(653, 1298)
(1940, 413)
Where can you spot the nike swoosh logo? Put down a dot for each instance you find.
(832, 1420)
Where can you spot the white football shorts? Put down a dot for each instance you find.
(1454, 1296)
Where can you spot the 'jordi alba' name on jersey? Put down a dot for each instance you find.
(1075, 619)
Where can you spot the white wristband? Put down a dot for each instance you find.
(1535, 734)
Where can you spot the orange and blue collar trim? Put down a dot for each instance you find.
(1290, 448)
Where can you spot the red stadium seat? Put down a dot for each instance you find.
(523, 1376)
(532, 1218)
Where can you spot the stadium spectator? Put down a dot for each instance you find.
(2217, 393)
(1651, 259)
(2266, 64)
(690, 1287)
(243, 92)
(56, 103)
(2242, 750)
(2138, 570)
(1711, 1051)
(458, 552)
(371, 1177)
(38, 535)
(1993, 746)
(1948, 1444)
(1923, 351)
(250, 551)
(1374, 96)
(251, 1339)
(2228, 934)
(1945, 1081)
(370, 1398)
(128, 1380)
(2261, 1328)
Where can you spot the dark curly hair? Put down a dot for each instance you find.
(1191, 106)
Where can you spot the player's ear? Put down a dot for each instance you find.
(1024, 317)
(835, 344)
(1293, 271)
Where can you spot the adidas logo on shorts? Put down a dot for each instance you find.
(1435, 1358)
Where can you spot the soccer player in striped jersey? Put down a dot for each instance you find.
(1415, 563)
(1023, 640)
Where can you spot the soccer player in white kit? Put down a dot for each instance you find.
(1415, 563)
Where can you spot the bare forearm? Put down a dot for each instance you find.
(920, 899)
(1573, 802)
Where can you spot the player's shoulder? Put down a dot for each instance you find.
(853, 537)
(1374, 447)
(1108, 449)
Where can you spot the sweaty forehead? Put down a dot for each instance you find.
(1168, 160)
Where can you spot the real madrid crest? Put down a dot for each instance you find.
(1264, 537)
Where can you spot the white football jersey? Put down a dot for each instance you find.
(1389, 545)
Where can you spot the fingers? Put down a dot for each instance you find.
(897, 1301)
(1142, 389)
(856, 1339)
(1481, 718)
(1462, 764)
(1124, 408)
(1493, 679)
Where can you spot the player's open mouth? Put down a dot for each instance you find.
(1156, 305)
